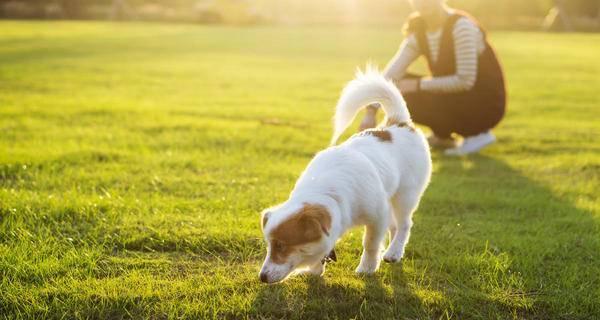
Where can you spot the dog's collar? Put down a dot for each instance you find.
(331, 257)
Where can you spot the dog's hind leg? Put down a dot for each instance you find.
(392, 229)
(403, 206)
(373, 238)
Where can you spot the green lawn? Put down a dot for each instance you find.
(135, 159)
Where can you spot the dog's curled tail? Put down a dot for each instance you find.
(368, 87)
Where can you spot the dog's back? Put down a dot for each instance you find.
(400, 155)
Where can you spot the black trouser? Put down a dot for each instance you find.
(466, 113)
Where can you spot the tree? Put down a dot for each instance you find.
(571, 15)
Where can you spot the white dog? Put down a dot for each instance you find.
(376, 179)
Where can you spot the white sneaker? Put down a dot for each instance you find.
(472, 144)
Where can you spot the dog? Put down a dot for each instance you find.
(376, 178)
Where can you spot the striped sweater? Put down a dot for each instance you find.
(468, 44)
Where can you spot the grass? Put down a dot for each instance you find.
(134, 159)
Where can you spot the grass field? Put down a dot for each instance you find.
(135, 159)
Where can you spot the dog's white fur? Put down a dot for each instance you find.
(364, 181)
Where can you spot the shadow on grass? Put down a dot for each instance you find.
(315, 298)
(488, 242)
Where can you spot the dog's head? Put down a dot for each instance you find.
(296, 238)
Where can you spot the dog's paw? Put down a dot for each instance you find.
(367, 267)
(393, 256)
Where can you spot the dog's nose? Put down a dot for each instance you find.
(263, 277)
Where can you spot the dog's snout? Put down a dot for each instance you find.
(263, 277)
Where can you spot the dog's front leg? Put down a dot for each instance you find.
(371, 256)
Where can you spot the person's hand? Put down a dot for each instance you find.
(370, 119)
(408, 85)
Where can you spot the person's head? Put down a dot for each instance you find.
(427, 7)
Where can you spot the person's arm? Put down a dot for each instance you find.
(395, 70)
(466, 38)
(406, 55)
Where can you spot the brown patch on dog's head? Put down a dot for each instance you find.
(382, 135)
(308, 225)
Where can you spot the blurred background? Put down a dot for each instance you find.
(558, 15)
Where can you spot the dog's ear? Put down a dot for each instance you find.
(314, 214)
(265, 217)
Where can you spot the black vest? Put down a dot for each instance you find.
(489, 88)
